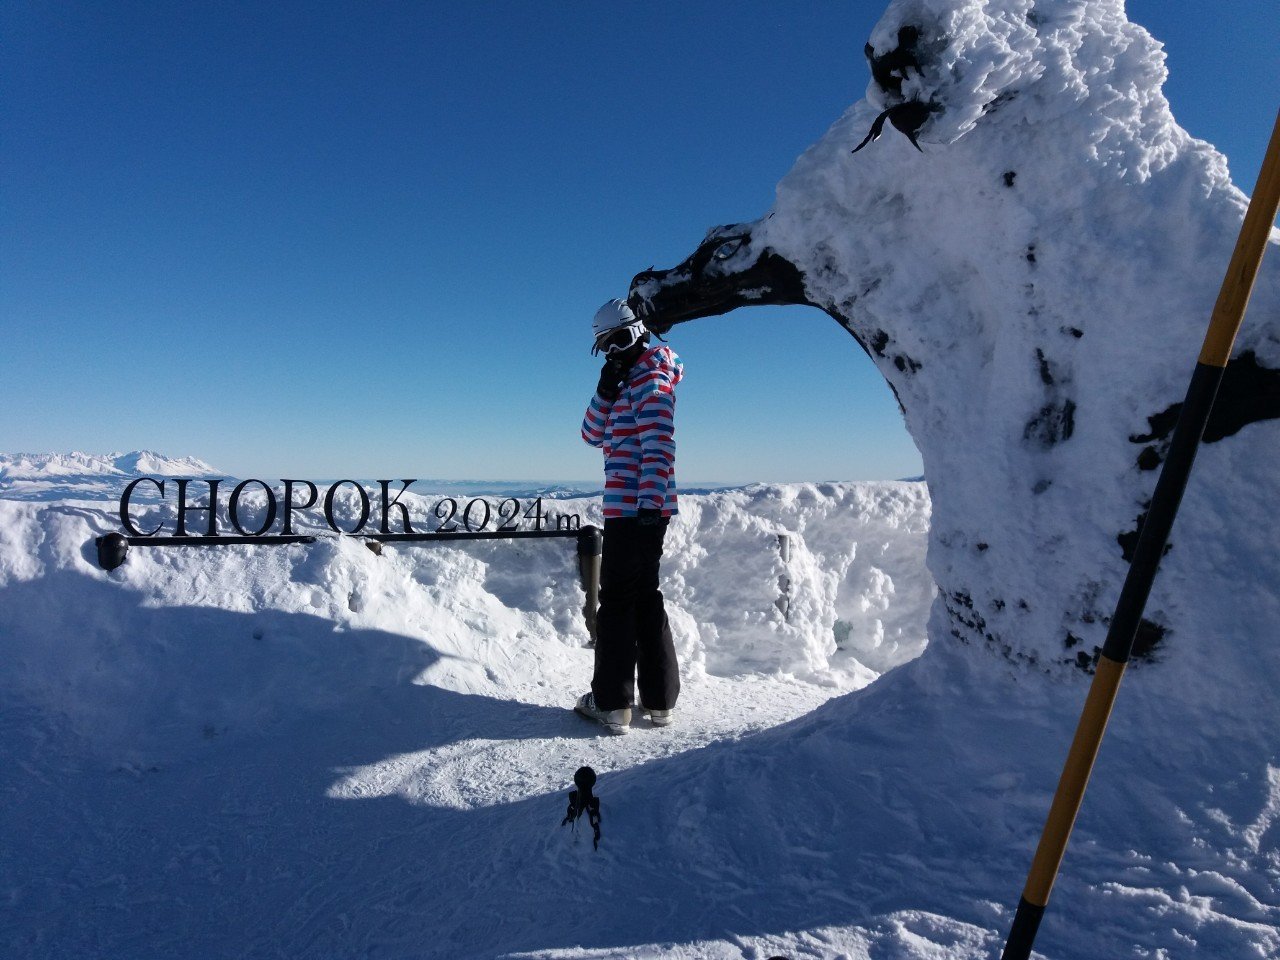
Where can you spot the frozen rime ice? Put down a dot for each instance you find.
(1035, 287)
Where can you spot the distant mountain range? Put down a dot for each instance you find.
(45, 466)
(94, 476)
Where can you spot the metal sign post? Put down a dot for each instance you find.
(454, 522)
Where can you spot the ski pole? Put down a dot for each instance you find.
(1224, 324)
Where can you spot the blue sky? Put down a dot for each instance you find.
(322, 239)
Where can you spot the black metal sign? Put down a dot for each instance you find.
(449, 517)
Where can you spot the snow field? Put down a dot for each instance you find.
(503, 618)
(202, 694)
(313, 751)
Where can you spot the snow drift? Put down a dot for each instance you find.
(847, 603)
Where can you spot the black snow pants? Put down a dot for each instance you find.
(633, 636)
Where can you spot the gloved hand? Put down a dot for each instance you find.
(648, 517)
(610, 384)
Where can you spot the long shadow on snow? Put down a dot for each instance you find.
(200, 823)
(165, 776)
(922, 794)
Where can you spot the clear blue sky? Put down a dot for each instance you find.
(322, 239)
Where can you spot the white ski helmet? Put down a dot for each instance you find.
(612, 317)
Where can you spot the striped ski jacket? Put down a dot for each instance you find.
(637, 434)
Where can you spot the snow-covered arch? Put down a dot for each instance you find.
(1034, 284)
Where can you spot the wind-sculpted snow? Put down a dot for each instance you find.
(1034, 284)
(499, 614)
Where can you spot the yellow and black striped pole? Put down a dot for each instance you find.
(1223, 326)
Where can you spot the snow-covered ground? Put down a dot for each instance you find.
(313, 751)
(195, 741)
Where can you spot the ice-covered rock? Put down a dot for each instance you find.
(1034, 283)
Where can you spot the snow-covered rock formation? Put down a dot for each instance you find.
(1034, 283)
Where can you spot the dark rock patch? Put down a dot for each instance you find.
(1046, 376)
(890, 68)
(1147, 639)
(1052, 424)
(1249, 393)
(1129, 539)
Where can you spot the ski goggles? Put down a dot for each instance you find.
(618, 339)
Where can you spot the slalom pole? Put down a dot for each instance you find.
(1224, 324)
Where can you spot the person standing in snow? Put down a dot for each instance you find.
(632, 419)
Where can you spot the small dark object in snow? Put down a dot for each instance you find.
(581, 800)
(1052, 424)
(907, 117)
(1009, 176)
(1147, 638)
(112, 550)
(891, 68)
(1046, 374)
(1149, 458)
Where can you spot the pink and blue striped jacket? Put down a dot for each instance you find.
(637, 433)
